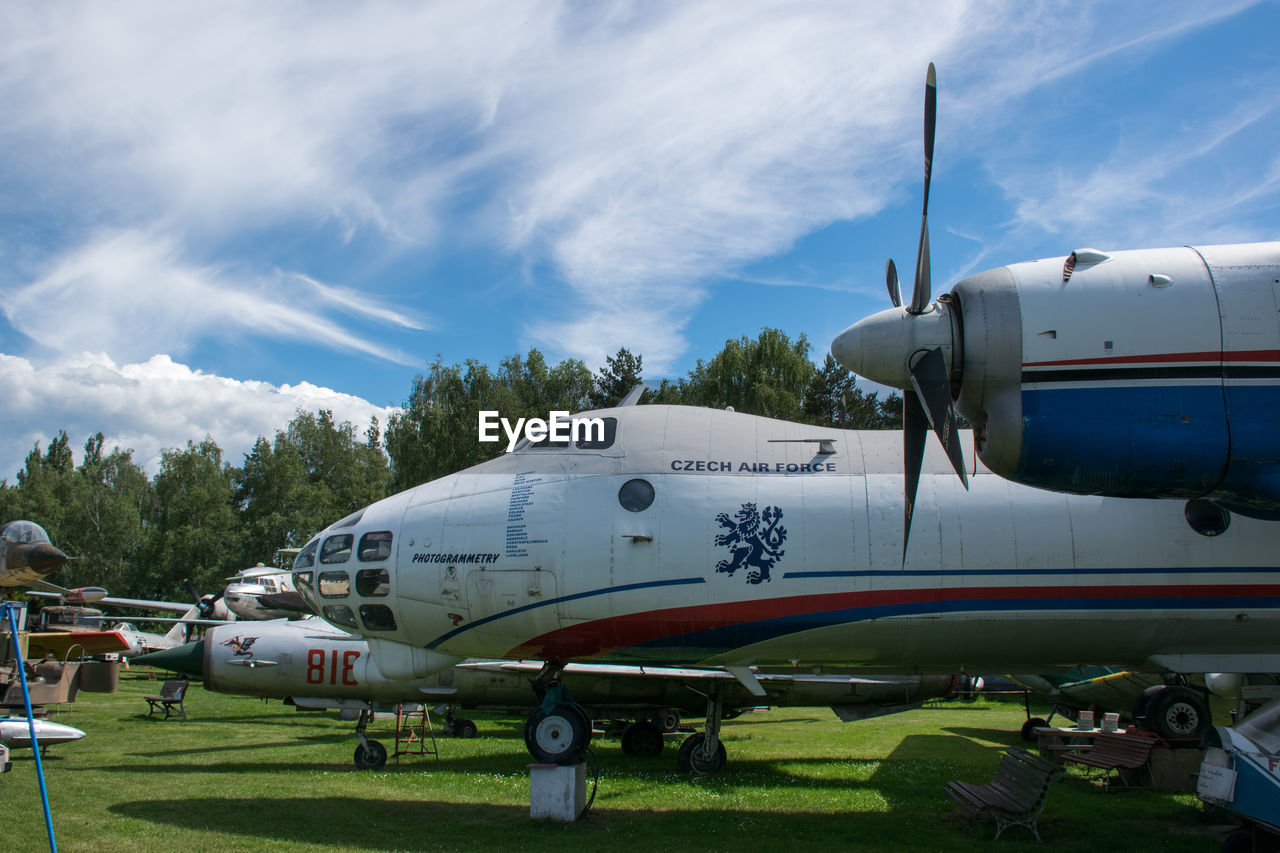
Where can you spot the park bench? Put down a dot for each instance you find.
(1116, 751)
(171, 695)
(1015, 796)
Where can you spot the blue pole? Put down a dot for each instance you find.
(31, 724)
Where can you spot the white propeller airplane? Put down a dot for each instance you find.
(691, 536)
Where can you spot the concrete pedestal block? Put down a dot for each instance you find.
(557, 791)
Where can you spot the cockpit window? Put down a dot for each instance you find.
(337, 549)
(592, 434)
(373, 582)
(377, 617)
(307, 556)
(24, 532)
(350, 521)
(594, 439)
(375, 547)
(334, 584)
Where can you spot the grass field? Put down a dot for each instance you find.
(242, 774)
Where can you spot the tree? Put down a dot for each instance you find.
(615, 380)
(112, 496)
(767, 376)
(194, 531)
(834, 399)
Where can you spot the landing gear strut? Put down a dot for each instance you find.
(704, 753)
(558, 730)
(370, 754)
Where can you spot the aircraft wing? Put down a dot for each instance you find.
(59, 643)
(48, 590)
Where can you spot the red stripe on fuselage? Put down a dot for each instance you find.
(602, 636)
(1263, 355)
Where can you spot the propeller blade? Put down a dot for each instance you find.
(191, 588)
(915, 426)
(891, 282)
(921, 293)
(929, 378)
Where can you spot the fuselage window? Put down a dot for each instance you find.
(335, 585)
(340, 614)
(377, 617)
(636, 495)
(375, 547)
(337, 549)
(373, 582)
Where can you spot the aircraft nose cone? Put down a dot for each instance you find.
(187, 659)
(39, 557)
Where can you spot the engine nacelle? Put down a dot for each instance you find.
(1149, 373)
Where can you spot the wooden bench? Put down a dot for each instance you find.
(1015, 796)
(171, 695)
(1115, 751)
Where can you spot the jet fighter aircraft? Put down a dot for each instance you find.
(690, 536)
(314, 665)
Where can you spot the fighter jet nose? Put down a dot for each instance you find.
(40, 557)
(187, 659)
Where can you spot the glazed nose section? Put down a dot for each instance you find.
(39, 557)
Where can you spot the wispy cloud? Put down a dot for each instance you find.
(131, 295)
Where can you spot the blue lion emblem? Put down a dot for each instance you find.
(755, 541)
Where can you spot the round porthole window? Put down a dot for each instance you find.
(636, 495)
(1206, 518)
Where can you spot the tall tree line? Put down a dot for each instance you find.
(203, 518)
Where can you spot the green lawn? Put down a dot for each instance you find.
(242, 774)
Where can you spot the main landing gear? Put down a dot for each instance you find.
(558, 731)
(703, 753)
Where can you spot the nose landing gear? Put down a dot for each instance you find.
(558, 731)
(370, 754)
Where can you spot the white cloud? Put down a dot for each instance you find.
(149, 407)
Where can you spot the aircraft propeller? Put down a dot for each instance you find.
(926, 395)
(206, 603)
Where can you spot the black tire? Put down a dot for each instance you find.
(668, 720)
(1030, 726)
(1140, 705)
(558, 737)
(642, 738)
(690, 759)
(1178, 713)
(372, 758)
(464, 728)
(1240, 841)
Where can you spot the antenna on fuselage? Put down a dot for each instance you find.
(633, 396)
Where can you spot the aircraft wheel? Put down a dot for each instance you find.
(373, 758)
(669, 720)
(643, 738)
(558, 737)
(690, 759)
(1178, 712)
(1030, 726)
(1240, 841)
(464, 728)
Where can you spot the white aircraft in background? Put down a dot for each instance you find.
(314, 665)
(688, 536)
(245, 591)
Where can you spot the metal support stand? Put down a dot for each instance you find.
(7, 610)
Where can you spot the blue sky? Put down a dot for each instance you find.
(212, 214)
